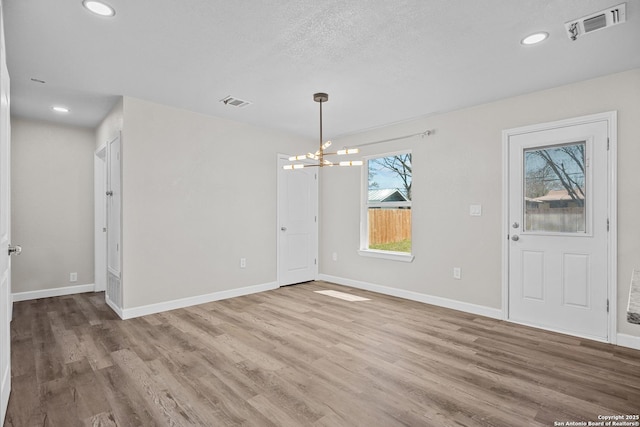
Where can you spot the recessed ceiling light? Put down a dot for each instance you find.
(60, 109)
(99, 8)
(534, 38)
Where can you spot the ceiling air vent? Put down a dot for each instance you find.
(234, 102)
(596, 21)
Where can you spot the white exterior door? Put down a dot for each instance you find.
(558, 229)
(5, 232)
(297, 224)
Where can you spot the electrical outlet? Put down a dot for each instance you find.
(243, 263)
(457, 273)
(475, 210)
(334, 256)
(73, 277)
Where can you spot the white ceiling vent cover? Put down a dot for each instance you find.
(596, 21)
(234, 102)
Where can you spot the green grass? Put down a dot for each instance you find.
(401, 246)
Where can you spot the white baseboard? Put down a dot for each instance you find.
(629, 341)
(54, 292)
(481, 310)
(129, 313)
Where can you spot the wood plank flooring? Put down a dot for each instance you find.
(292, 357)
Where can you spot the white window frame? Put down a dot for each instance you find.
(364, 214)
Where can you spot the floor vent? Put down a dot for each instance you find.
(596, 21)
(234, 102)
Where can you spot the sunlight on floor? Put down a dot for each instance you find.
(342, 295)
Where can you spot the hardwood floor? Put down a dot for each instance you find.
(292, 357)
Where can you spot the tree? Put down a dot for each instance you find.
(372, 183)
(401, 166)
(562, 167)
(538, 182)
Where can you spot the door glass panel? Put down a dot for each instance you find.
(554, 189)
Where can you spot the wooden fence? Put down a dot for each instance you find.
(389, 225)
(565, 220)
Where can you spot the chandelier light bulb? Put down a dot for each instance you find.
(348, 151)
(351, 163)
(300, 157)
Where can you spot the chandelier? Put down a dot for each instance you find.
(320, 156)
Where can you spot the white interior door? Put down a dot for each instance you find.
(297, 224)
(100, 219)
(113, 208)
(5, 232)
(558, 247)
(113, 294)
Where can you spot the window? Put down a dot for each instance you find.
(555, 190)
(386, 207)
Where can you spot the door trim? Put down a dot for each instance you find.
(279, 159)
(611, 118)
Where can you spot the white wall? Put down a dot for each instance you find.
(461, 164)
(110, 126)
(52, 205)
(199, 193)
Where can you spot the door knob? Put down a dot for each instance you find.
(15, 249)
(515, 225)
(515, 238)
(283, 228)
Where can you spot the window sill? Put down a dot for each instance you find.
(394, 256)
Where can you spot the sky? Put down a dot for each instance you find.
(385, 178)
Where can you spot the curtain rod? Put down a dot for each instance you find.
(422, 134)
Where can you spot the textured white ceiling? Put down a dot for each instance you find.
(381, 61)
